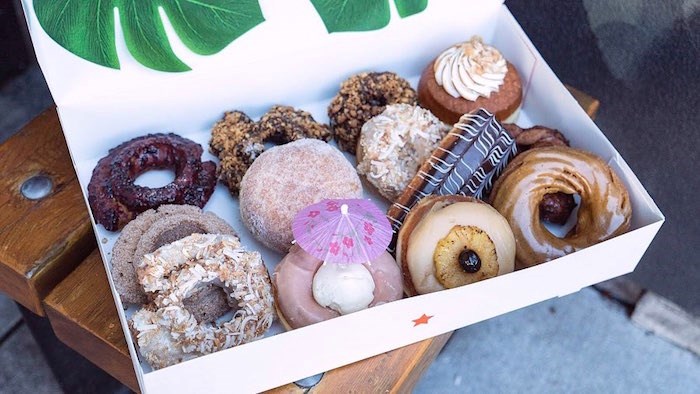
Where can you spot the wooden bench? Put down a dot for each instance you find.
(49, 264)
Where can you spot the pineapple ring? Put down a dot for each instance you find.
(448, 269)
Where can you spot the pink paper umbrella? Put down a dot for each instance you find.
(342, 231)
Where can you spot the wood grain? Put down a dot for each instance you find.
(41, 241)
(81, 309)
(84, 317)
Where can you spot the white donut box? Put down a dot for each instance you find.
(292, 59)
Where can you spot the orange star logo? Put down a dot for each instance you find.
(421, 320)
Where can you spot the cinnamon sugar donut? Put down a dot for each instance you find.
(604, 212)
(287, 178)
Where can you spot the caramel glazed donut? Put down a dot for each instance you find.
(115, 199)
(166, 331)
(605, 209)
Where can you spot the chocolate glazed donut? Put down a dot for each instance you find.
(605, 209)
(115, 199)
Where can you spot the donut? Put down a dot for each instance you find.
(465, 162)
(299, 280)
(238, 141)
(361, 97)
(114, 197)
(394, 144)
(555, 207)
(450, 241)
(151, 230)
(287, 178)
(166, 332)
(468, 76)
(604, 212)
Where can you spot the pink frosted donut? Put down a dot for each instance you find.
(285, 179)
(292, 284)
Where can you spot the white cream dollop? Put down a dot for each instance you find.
(470, 69)
(345, 288)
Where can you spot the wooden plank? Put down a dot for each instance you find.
(41, 241)
(83, 314)
(588, 103)
(84, 317)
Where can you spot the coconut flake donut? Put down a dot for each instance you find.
(450, 241)
(285, 179)
(300, 281)
(605, 209)
(166, 332)
(394, 144)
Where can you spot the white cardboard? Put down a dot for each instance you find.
(100, 108)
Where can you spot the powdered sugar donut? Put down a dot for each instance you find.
(394, 144)
(166, 332)
(285, 179)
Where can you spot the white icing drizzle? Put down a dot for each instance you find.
(470, 70)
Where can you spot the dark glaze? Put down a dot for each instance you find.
(115, 199)
(469, 261)
(605, 209)
(464, 163)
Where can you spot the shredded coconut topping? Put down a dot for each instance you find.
(167, 333)
(395, 143)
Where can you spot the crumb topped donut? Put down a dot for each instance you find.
(605, 209)
(166, 332)
(362, 97)
(238, 141)
(394, 144)
(287, 178)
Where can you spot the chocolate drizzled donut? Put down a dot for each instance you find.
(464, 163)
(115, 199)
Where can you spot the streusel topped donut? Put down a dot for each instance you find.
(394, 144)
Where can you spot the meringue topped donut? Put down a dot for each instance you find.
(450, 241)
(307, 291)
(604, 212)
(468, 76)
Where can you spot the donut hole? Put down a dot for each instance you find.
(208, 304)
(156, 177)
(561, 228)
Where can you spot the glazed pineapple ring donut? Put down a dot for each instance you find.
(451, 241)
(167, 333)
(604, 212)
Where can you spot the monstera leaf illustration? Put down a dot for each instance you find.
(86, 27)
(354, 15)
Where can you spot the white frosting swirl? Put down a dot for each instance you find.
(470, 69)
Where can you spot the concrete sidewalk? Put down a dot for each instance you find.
(581, 343)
